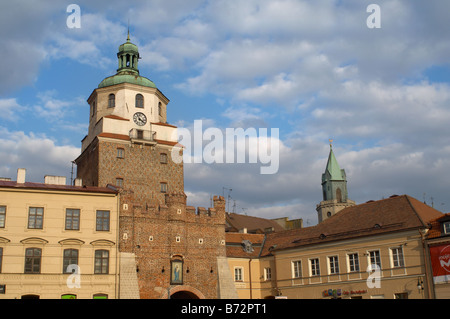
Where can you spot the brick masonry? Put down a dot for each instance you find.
(158, 227)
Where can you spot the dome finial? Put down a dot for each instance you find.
(128, 37)
(331, 143)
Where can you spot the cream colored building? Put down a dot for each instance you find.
(57, 241)
(334, 258)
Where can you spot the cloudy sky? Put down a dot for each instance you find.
(312, 69)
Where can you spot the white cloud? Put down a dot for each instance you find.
(51, 108)
(10, 109)
(38, 154)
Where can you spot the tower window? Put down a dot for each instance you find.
(163, 187)
(163, 158)
(111, 100)
(119, 182)
(139, 101)
(159, 109)
(120, 153)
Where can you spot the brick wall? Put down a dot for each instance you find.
(158, 227)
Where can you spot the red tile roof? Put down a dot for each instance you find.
(253, 224)
(29, 185)
(235, 248)
(397, 213)
(436, 228)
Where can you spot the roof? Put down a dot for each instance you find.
(253, 224)
(333, 167)
(436, 228)
(397, 213)
(124, 77)
(42, 186)
(235, 245)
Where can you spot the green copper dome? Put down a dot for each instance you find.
(128, 72)
(126, 78)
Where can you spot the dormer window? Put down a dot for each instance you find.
(111, 100)
(446, 227)
(139, 101)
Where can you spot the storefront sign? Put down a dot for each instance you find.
(339, 292)
(440, 262)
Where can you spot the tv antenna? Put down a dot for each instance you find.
(228, 197)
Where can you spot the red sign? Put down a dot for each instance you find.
(440, 262)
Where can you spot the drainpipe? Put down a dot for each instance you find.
(117, 248)
(427, 262)
(250, 276)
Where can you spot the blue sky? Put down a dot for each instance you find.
(313, 69)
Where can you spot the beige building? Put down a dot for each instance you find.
(369, 251)
(57, 241)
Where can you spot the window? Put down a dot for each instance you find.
(120, 153)
(93, 109)
(397, 257)
(72, 219)
(70, 257)
(446, 227)
(159, 109)
(35, 217)
(296, 269)
(163, 158)
(375, 258)
(101, 262)
(119, 182)
(238, 274)
(100, 296)
(315, 267)
(1, 259)
(353, 262)
(267, 273)
(402, 295)
(33, 260)
(163, 187)
(102, 220)
(2, 216)
(139, 101)
(334, 264)
(111, 100)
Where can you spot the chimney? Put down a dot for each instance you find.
(78, 182)
(21, 173)
(55, 180)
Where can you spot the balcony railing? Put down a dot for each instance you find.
(142, 136)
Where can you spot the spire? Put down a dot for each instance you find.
(333, 167)
(128, 37)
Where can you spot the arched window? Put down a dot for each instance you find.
(111, 100)
(139, 101)
(339, 195)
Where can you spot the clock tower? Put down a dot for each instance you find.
(129, 142)
(129, 145)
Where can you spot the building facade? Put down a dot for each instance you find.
(372, 250)
(176, 249)
(57, 241)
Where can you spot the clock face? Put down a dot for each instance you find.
(140, 118)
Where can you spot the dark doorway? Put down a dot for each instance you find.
(30, 297)
(184, 295)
